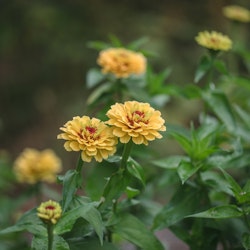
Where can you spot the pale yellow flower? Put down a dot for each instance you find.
(33, 166)
(121, 62)
(137, 121)
(49, 212)
(237, 13)
(214, 40)
(91, 136)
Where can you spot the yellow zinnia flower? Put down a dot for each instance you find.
(214, 40)
(49, 211)
(237, 13)
(121, 62)
(136, 121)
(91, 136)
(33, 166)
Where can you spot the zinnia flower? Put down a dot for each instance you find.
(121, 62)
(33, 166)
(49, 211)
(136, 121)
(237, 13)
(214, 40)
(91, 136)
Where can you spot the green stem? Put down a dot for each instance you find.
(246, 219)
(50, 236)
(125, 154)
(79, 164)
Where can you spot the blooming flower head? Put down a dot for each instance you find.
(49, 211)
(121, 62)
(214, 40)
(137, 121)
(33, 166)
(237, 13)
(91, 136)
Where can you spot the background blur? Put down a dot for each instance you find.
(44, 55)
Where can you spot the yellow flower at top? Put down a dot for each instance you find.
(91, 136)
(137, 121)
(121, 62)
(33, 166)
(237, 13)
(214, 40)
(49, 212)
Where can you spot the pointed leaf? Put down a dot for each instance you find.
(171, 162)
(86, 211)
(220, 212)
(203, 67)
(220, 105)
(187, 200)
(246, 241)
(132, 229)
(94, 76)
(41, 243)
(136, 170)
(29, 222)
(186, 170)
(113, 189)
(71, 182)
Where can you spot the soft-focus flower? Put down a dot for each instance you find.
(33, 166)
(121, 62)
(49, 212)
(214, 40)
(237, 13)
(137, 121)
(91, 136)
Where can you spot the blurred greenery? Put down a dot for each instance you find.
(44, 55)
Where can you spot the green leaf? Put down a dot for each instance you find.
(182, 136)
(203, 68)
(187, 200)
(132, 229)
(86, 211)
(98, 92)
(136, 170)
(135, 45)
(246, 241)
(220, 105)
(132, 192)
(41, 243)
(220, 212)
(90, 244)
(186, 170)
(113, 189)
(234, 186)
(29, 222)
(71, 182)
(94, 77)
(171, 162)
(221, 67)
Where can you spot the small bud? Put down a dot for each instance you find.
(49, 212)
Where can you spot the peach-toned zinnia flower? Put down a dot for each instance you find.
(49, 212)
(33, 166)
(137, 121)
(214, 40)
(237, 13)
(91, 136)
(121, 62)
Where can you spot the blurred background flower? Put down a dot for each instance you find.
(33, 166)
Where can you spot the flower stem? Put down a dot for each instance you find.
(79, 164)
(125, 154)
(50, 236)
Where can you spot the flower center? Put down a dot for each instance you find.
(50, 207)
(91, 130)
(137, 117)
